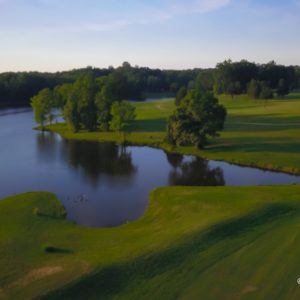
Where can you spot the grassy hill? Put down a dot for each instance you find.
(193, 243)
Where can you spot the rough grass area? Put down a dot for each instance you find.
(260, 133)
(192, 243)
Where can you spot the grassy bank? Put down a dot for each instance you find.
(257, 133)
(219, 243)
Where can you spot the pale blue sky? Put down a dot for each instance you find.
(50, 35)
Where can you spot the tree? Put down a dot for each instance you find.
(71, 113)
(103, 101)
(42, 106)
(283, 88)
(266, 92)
(259, 90)
(61, 94)
(234, 88)
(180, 95)
(80, 109)
(205, 80)
(121, 112)
(254, 89)
(86, 91)
(198, 116)
(233, 77)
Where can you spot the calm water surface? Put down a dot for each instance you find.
(102, 184)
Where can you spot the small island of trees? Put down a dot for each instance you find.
(89, 104)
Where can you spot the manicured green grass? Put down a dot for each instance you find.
(192, 243)
(263, 133)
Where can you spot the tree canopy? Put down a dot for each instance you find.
(240, 77)
(135, 83)
(121, 112)
(88, 104)
(42, 105)
(198, 116)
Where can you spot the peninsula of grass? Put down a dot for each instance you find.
(259, 133)
(192, 243)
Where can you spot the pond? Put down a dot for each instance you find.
(103, 184)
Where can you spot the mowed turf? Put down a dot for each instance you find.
(263, 133)
(192, 243)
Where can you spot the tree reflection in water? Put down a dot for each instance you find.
(195, 172)
(93, 159)
(98, 159)
(46, 143)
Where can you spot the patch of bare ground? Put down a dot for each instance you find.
(37, 274)
(249, 289)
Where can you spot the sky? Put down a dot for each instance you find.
(54, 35)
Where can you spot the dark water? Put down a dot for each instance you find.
(102, 184)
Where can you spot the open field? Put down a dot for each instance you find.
(192, 243)
(259, 133)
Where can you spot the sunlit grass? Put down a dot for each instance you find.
(192, 243)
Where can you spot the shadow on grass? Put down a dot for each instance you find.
(57, 250)
(112, 280)
(266, 122)
(151, 125)
(272, 145)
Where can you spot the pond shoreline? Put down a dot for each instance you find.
(155, 140)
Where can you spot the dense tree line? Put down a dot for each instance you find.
(133, 82)
(259, 81)
(18, 88)
(137, 82)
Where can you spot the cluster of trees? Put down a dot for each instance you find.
(88, 103)
(259, 81)
(18, 88)
(198, 115)
(134, 82)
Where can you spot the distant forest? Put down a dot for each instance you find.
(139, 82)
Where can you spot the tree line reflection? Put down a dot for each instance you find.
(95, 160)
(196, 172)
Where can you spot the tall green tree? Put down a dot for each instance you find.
(266, 91)
(42, 105)
(61, 94)
(122, 112)
(86, 90)
(283, 88)
(254, 89)
(198, 116)
(205, 80)
(180, 95)
(259, 90)
(103, 101)
(71, 112)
